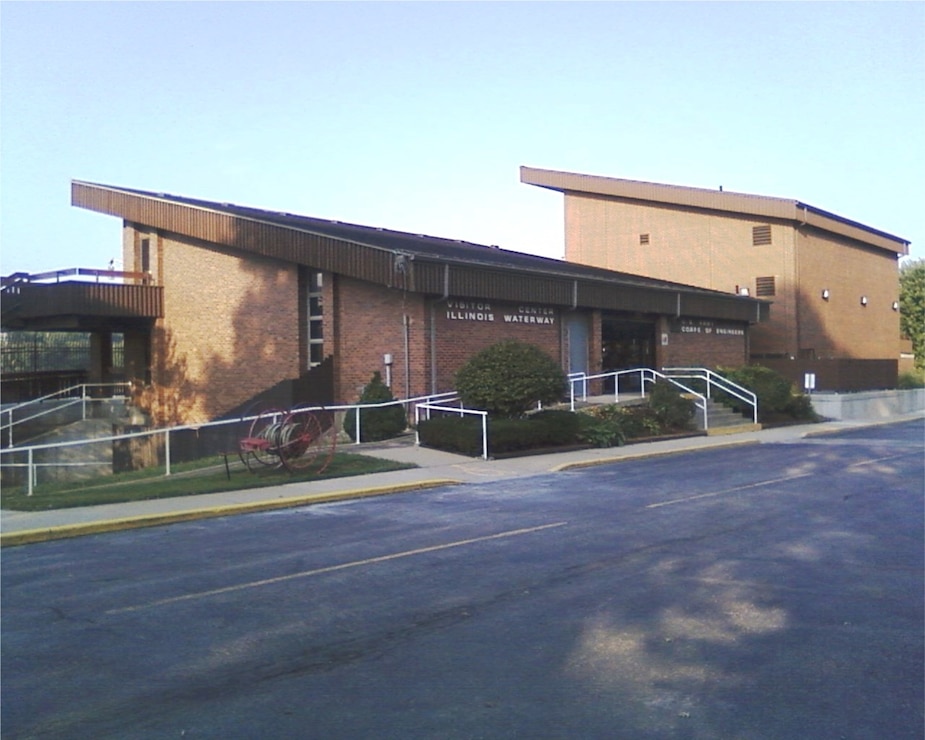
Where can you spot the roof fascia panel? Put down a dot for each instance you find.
(713, 200)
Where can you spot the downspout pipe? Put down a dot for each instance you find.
(433, 327)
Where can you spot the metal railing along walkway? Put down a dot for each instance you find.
(29, 452)
(578, 386)
(56, 402)
(714, 381)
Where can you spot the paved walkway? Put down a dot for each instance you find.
(435, 468)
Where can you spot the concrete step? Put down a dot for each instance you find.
(723, 418)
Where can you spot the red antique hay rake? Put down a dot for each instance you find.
(295, 440)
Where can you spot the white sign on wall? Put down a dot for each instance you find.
(461, 310)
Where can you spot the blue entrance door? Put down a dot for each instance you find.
(576, 331)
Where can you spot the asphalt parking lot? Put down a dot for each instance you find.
(767, 591)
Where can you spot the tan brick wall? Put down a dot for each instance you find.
(230, 328)
(715, 251)
(841, 326)
(685, 245)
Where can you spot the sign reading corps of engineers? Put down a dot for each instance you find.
(457, 310)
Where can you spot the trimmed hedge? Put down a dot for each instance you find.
(463, 434)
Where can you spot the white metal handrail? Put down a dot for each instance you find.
(455, 410)
(700, 403)
(646, 375)
(30, 450)
(583, 378)
(66, 402)
(357, 407)
(714, 379)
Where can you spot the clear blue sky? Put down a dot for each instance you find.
(416, 116)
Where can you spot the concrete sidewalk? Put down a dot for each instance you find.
(435, 468)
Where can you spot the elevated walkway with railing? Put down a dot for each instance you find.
(61, 299)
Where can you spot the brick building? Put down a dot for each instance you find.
(833, 282)
(239, 300)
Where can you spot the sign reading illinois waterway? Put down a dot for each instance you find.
(457, 310)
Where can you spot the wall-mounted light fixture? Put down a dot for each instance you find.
(863, 300)
(895, 305)
(825, 294)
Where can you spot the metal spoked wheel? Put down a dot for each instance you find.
(307, 439)
(259, 448)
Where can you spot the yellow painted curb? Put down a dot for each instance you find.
(644, 455)
(30, 536)
(737, 429)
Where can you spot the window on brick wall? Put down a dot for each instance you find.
(765, 286)
(643, 238)
(315, 314)
(145, 255)
(761, 235)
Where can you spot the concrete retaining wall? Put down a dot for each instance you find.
(868, 404)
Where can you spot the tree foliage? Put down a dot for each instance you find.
(912, 307)
(509, 378)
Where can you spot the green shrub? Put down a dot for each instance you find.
(915, 379)
(772, 389)
(459, 434)
(641, 421)
(801, 407)
(562, 426)
(376, 423)
(601, 432)
(463, 434)
(673, 411)
(621, 423)
(509, 378)
(777, 396)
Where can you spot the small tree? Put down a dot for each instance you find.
(912, 307)
(509, 378)
(376, 423)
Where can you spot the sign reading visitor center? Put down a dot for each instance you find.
(457, 310)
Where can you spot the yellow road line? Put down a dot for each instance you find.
(332, 568)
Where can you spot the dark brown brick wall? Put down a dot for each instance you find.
(367, 322)
(232, 329)
(464, 327)
(691, 349)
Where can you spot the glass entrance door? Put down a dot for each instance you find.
(627, 344)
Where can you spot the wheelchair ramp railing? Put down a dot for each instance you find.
(714, 382)
(634, 382)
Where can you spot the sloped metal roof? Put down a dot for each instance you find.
(417, 262)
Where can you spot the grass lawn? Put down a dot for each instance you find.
(188, 479)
